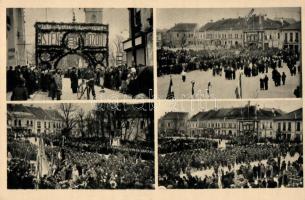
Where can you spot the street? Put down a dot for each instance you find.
(225, 89)
(68, 95)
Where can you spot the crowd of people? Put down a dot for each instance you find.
(169, 145)
(233, 167)
(24, 81)
(229, 61)
(232, 63)
(78, 169)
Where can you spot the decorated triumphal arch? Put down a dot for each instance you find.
(56, 40)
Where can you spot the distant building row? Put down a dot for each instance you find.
(33, 120)
(30, 120)
(256, 32)
(265, 123)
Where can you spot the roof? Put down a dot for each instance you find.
(296, 114)
(224, 24)
(54, 114)
(246, 112)
(253, 23)
(39, 113)
(295, 26)
(175, 115)
(33, 112)
(184, 27)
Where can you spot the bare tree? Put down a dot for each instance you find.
(68, 112)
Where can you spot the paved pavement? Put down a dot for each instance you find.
(225, 89)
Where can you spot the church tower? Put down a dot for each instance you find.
(94, 15)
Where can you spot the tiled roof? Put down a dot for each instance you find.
(246, 112)
(296, 114)
(295, 26)
(34, 112)
(184, 27)
(253, 23)
(53, 114)
(175, 115)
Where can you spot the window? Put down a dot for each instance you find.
(177, 34)
(168, 124)
(278, 36)
(291, 37)
(93, 19)
(289, 126)
(298, 126)
(279, 126)
(284, 126)
(19, 122)
(270, 37)
(286, 37)
(45, 124)
(15, 122)
(270, 124)
(297, 37)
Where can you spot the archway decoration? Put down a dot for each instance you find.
(55, 40)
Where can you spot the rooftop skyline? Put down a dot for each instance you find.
(201, 16)
(193, 107)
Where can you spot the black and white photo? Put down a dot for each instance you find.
(80, 146)
(79, 53)
(229, 53)
(230, 144)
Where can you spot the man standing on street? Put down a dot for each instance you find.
(266, 79)
(74, 80)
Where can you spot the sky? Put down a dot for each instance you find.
(193, 107)
(118, 20)
(166, 18)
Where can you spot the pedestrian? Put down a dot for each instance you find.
(183, 75)
(262, 82)
(283, 78)
(90, 77)
(58, 83)
(20, 92)
(266, 79)
(74, 80)
(193, 90)
(237, 93)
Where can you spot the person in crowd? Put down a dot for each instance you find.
(283, 78)
(90, 80)
(266, 79)
(58, 83)
(74, 80)
(20, 92)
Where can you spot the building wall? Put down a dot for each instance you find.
(289, 128)
(15, 39)
(93, 15)
(291, 39)
(273, 38)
